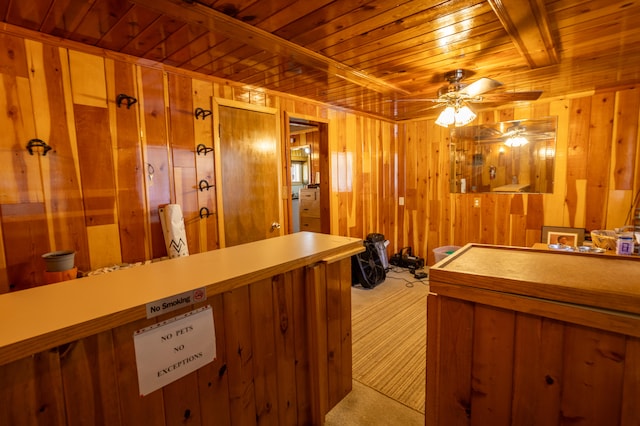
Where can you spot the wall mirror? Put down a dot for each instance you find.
(511, 156)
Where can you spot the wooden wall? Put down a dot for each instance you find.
(98, 190)
(597, 177)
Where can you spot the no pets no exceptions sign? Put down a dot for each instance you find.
(174, 348)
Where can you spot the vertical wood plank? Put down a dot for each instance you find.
(433, 360)
(492, 366)
(594, 368)
(130, 171)
(537, 371)
(285, 335)
(626, 138)
(24, 230)
(203, 134)
(631, 389)
(265, 366)
(61, 171)
(89, 86)
(104, 246)
(213, 379)
(40, 400)
(239, 353)
(157, 165)
(181, 139)
(454, 378)
(134, 408)
(89, 378)
(316, 304)
(301, 339)
(96, 164)
(600, 135)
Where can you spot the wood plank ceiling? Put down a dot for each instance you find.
(363, 55)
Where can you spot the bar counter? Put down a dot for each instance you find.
(523, 336)
(282, 327)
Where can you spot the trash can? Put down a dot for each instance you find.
(444, 251)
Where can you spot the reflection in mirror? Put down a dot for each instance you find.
(511, 156)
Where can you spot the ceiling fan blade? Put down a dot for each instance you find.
(511, 96)
(418, 100)
(480, 86)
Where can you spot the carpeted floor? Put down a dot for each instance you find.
(389, 352)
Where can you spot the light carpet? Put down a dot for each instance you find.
(389, 338)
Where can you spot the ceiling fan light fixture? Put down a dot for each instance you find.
(447, 117)
(516, 141)
(464, 116)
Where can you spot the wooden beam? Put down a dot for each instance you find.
(527, 24)
(235, 29)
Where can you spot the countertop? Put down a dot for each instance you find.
(73, 309)
(598, 281)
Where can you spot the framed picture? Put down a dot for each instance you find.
(561, 235)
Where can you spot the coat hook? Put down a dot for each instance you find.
(203, 149)
(37, 143)
(203, 184)
(202, 112)
(204, 212)
(129, 99)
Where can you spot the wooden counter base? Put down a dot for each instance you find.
(283, 338)
(511, 341)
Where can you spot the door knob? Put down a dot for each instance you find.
(274, 226)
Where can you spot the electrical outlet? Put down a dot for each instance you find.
(401, 201)
(476, 202)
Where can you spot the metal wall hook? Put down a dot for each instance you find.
(203, 149)
(37, 143)
(203, 184)
(204, 213)
(129, 99)
(202, 112)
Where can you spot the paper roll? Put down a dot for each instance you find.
(175, 238)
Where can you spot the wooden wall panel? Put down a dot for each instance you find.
(157, 176)
(205, 165)
(373, 163)
(60, 169)
(39, 402)
(129, 167)
(25, 236)
(537, 370)
(181, 139)
(89, 380)
(95, 155)
(598, 160)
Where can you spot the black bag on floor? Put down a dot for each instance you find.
(367, 267)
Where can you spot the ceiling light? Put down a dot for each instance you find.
(447, 117)
(464, 116)
(457, 115)
(515, 141)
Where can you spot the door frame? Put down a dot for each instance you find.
(323, 165)
(217, 103)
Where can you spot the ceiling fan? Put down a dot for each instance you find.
(456, 95)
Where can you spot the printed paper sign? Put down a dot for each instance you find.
(174, 348)
(175, 302)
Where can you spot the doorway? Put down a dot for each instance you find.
(308, 165)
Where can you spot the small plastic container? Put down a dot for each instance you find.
(58, 261)
(624, 245)
(444, 251)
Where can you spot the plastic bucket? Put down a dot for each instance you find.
(444, 251)
(58, 261)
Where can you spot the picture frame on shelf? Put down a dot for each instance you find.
(562, 235)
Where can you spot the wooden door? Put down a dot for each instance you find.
(249, 171)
